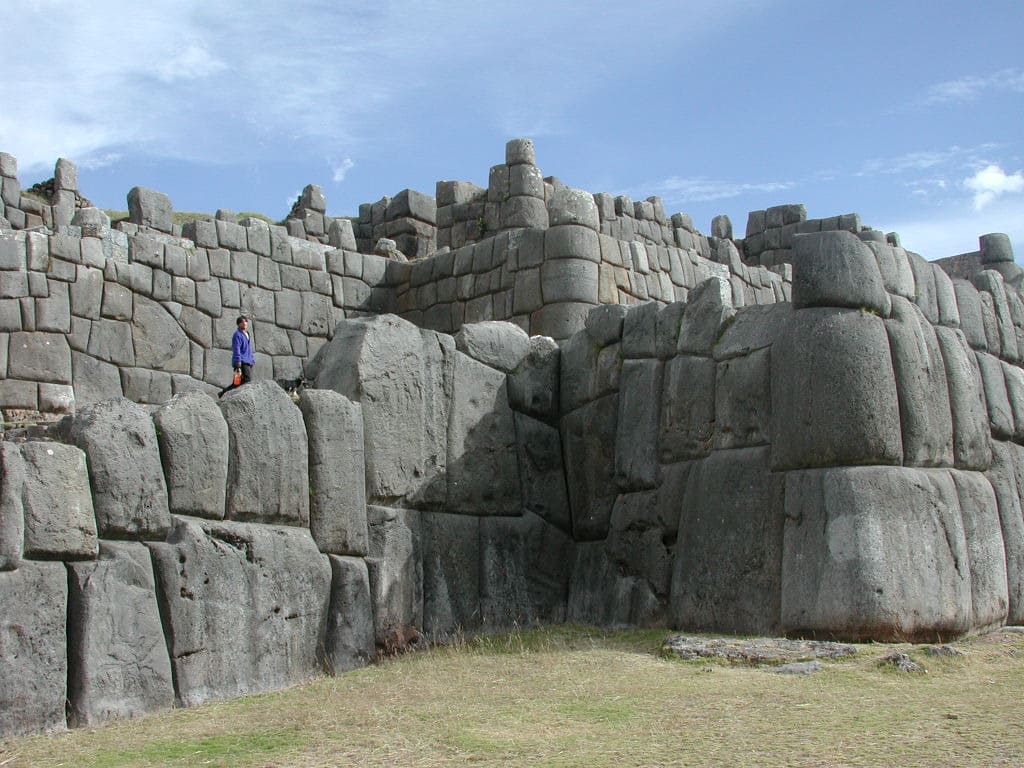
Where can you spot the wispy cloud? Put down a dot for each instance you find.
(923, 160)
(991, 182)
(678, 190)
(952, 230)
(341, 169)
(971, 87)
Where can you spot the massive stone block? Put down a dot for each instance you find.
(1006, 475)
(972, 440)
(403, 378)
(395, 566)
(498, 344)
(836, 269)
(128, 490)
(33, 649)
(56, 502)
(728, 554)
(12, 514)
(118, 665)
(159, 341)
(742, 401)
(349, 639)
(451, 574)
(599, 594)
(925, 413)
(268, 456)
(834, 398)
(639, 540)
(482, 467)
(687, 408)
(636, 435)
(337, 472)
(588, 446)
(533, 387)
(858, 567)
(245, 607)
(541, 472)
(193, 439)
(524, 572)
(149, 208)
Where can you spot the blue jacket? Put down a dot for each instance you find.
(241, 350)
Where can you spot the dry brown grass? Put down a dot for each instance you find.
(575, 697)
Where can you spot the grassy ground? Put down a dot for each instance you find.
(577, 697)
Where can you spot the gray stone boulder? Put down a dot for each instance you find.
(349, 639)
(12, 514)
(1005, 475)
(533, 388)
(451, 575)
(997, 399)
(56, 502)
(925, 412)
(127, 479)
(687, 409)
(337, 472)
(245, 607)
(402, 377)
(836, 269)
(496, 343)
(858, 567)
(395, 566)
(118, 666)
(834, 397)
(972, 440)
(193, 438)
(588, 447)
(159, 341)
(972, 315)
(541, 473)
(636, 435)
(524, 572)
(708, 308)
(482, 467)
(520, 152)
(729, 548)
(600, 594)
(995, 248)
(148, 208)
(742, 416)
(268, 456)
(573, 206)
(33, 652)
(894, 267)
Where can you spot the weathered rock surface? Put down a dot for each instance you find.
(33, 649)
(836, 269)
(337, 472)
(268, 456)
(541, 472)
(588, 446)
(451, 574)
(349, 639)
(497, 344)
(128, 490)
(193, 438)
(118, 665)
(395, 566)
(245, 607)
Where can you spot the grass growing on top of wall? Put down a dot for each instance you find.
(577, 697)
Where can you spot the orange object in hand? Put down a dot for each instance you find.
(238, 378)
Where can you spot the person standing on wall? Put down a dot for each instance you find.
(242, 357)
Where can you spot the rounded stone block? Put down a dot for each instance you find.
(524, 211)
(995, 248)
(835, 269)
(569, 280)
(193, 439)
(560, 321)
(573, 206)
(834, 396)
(572, 242)
(520, 152)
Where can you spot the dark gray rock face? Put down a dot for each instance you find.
(856, 565)
(636, 435)
(600, 594)
(451, 574)
(1006, 475)
(349, 640)
(33, 652)
(533, 388)
(402, 377)
(834, 397)
(268, 456)
(541, 472)
(836, 269)
(245, 607)
(395, 566)
(972, 441)
(337, 472)
(588, 445)
(12, 515)
(687, 409)
(193, 439)
(128, 490)
(728, 554)
(118, 665)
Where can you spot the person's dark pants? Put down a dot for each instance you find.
(246, 378)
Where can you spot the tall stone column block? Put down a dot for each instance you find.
(834, 396)
(193, 439)
(858, 566)
(268, 456)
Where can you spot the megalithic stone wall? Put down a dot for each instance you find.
(695, 434)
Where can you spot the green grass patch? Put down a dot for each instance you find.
(223, 750)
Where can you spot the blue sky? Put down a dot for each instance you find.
(909, 113)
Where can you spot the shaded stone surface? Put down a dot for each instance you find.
(193, 438)
(395, 566)
(348, 643)
(57, 503)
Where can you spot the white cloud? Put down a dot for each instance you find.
(342, 168)
(193, 62)
(923, 160)
(971, 87)
(677, 189)
(991, 182)
(949, 231)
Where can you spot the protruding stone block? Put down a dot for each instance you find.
(573, 206)
(835, 269)
(349, 639)
(65, 175)
(193, 439)
(520, 152)
(56, 502)
(395, 566)
(995, 248)
(149, 208)
(588, 444)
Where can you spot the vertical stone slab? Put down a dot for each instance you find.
(687, 409)
(997, 399)
(728, 555)
(12, 514)
(395, 566)
(118, 666)
(349, 640)
(972, 440)
(639, 542)
(599, 594)
(482, 466)
(337, 472)
(268, 456)
(403, 379)
(1006, 475)
(57, 503)
(524, 572)
(193, 438)
(859, 567)
(742, 416)
(244, 607)
(636, 435)
(834, 397)
(985, 549)
(128, 490)
(588, 445)
(541, 472)
(33, 649)
(451, 574)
